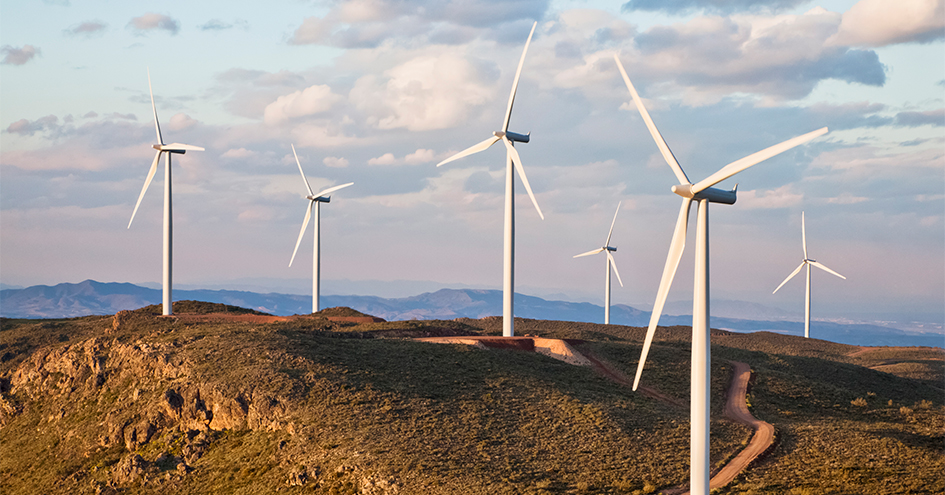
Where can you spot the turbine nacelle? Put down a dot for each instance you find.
(609, 248)
(713, 194)
(319, 199)
(513, 136)
(176, 148)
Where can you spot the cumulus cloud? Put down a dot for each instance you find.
(26, 127)
(424, 93)
(417, 157)
(238, 153)
(152, 21)
(310, 101)
(385, 159)
(882, 22)
(717, 6)
(335, 162)
(18, 56)
(87, 28)
(180, 121)
(779, 57)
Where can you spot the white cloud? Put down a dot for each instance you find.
(884, 22)
(424, 93)
(335, 162)
(419, 156)
(180, 121)
(310, 101)
(238, 153)
(385, 159)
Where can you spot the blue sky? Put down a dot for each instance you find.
(377, 92)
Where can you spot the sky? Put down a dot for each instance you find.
(378, 91)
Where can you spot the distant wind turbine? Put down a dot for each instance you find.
(314, 200)
(703, 193)
(169, 149)
(511, 159)
(610, 263)
(809, 262)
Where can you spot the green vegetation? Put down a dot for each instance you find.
(146, 404)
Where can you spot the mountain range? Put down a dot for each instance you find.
(97, 298)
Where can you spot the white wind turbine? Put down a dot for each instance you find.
(809, 262)
(314, 200)
(703, 193)
(610, 263)
(169, 149)
(511, 159)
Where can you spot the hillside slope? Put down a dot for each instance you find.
(145, 404)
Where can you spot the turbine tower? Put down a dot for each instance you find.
(168, 149)
(314, 200)
(610, 263)
(808, 262)
(511, 159)
(703, 193)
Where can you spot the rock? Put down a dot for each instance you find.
(129, 470)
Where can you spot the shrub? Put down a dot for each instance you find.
(858, 402)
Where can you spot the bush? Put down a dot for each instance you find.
(858, 402)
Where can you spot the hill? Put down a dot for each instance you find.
(190, 404)
(91, 297)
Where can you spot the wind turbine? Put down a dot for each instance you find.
(703, 193)
(610, 262)
(511, 159)
(809, 262)
(314, 200)
(169, 149)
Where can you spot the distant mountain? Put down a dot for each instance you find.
(91, 298)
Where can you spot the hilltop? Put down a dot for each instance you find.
(226, 400)
(96, 298)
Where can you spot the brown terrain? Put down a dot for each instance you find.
(566, 350)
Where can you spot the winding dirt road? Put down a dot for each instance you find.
(736, 408)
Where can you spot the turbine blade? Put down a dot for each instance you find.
(755, 158)
(147, 182)
(157, 126)
(660, 142)
(613, 263)
(804, 235)
(302, 172)
(476, 148)
(332, 189)
(180, 147)
(828, 270)
(595, 251)
(789, 277)
(612, 224)
(518, 74)
(517, 161)
(676, 248)
(308, 216)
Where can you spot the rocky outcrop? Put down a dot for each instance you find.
(147, 389)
